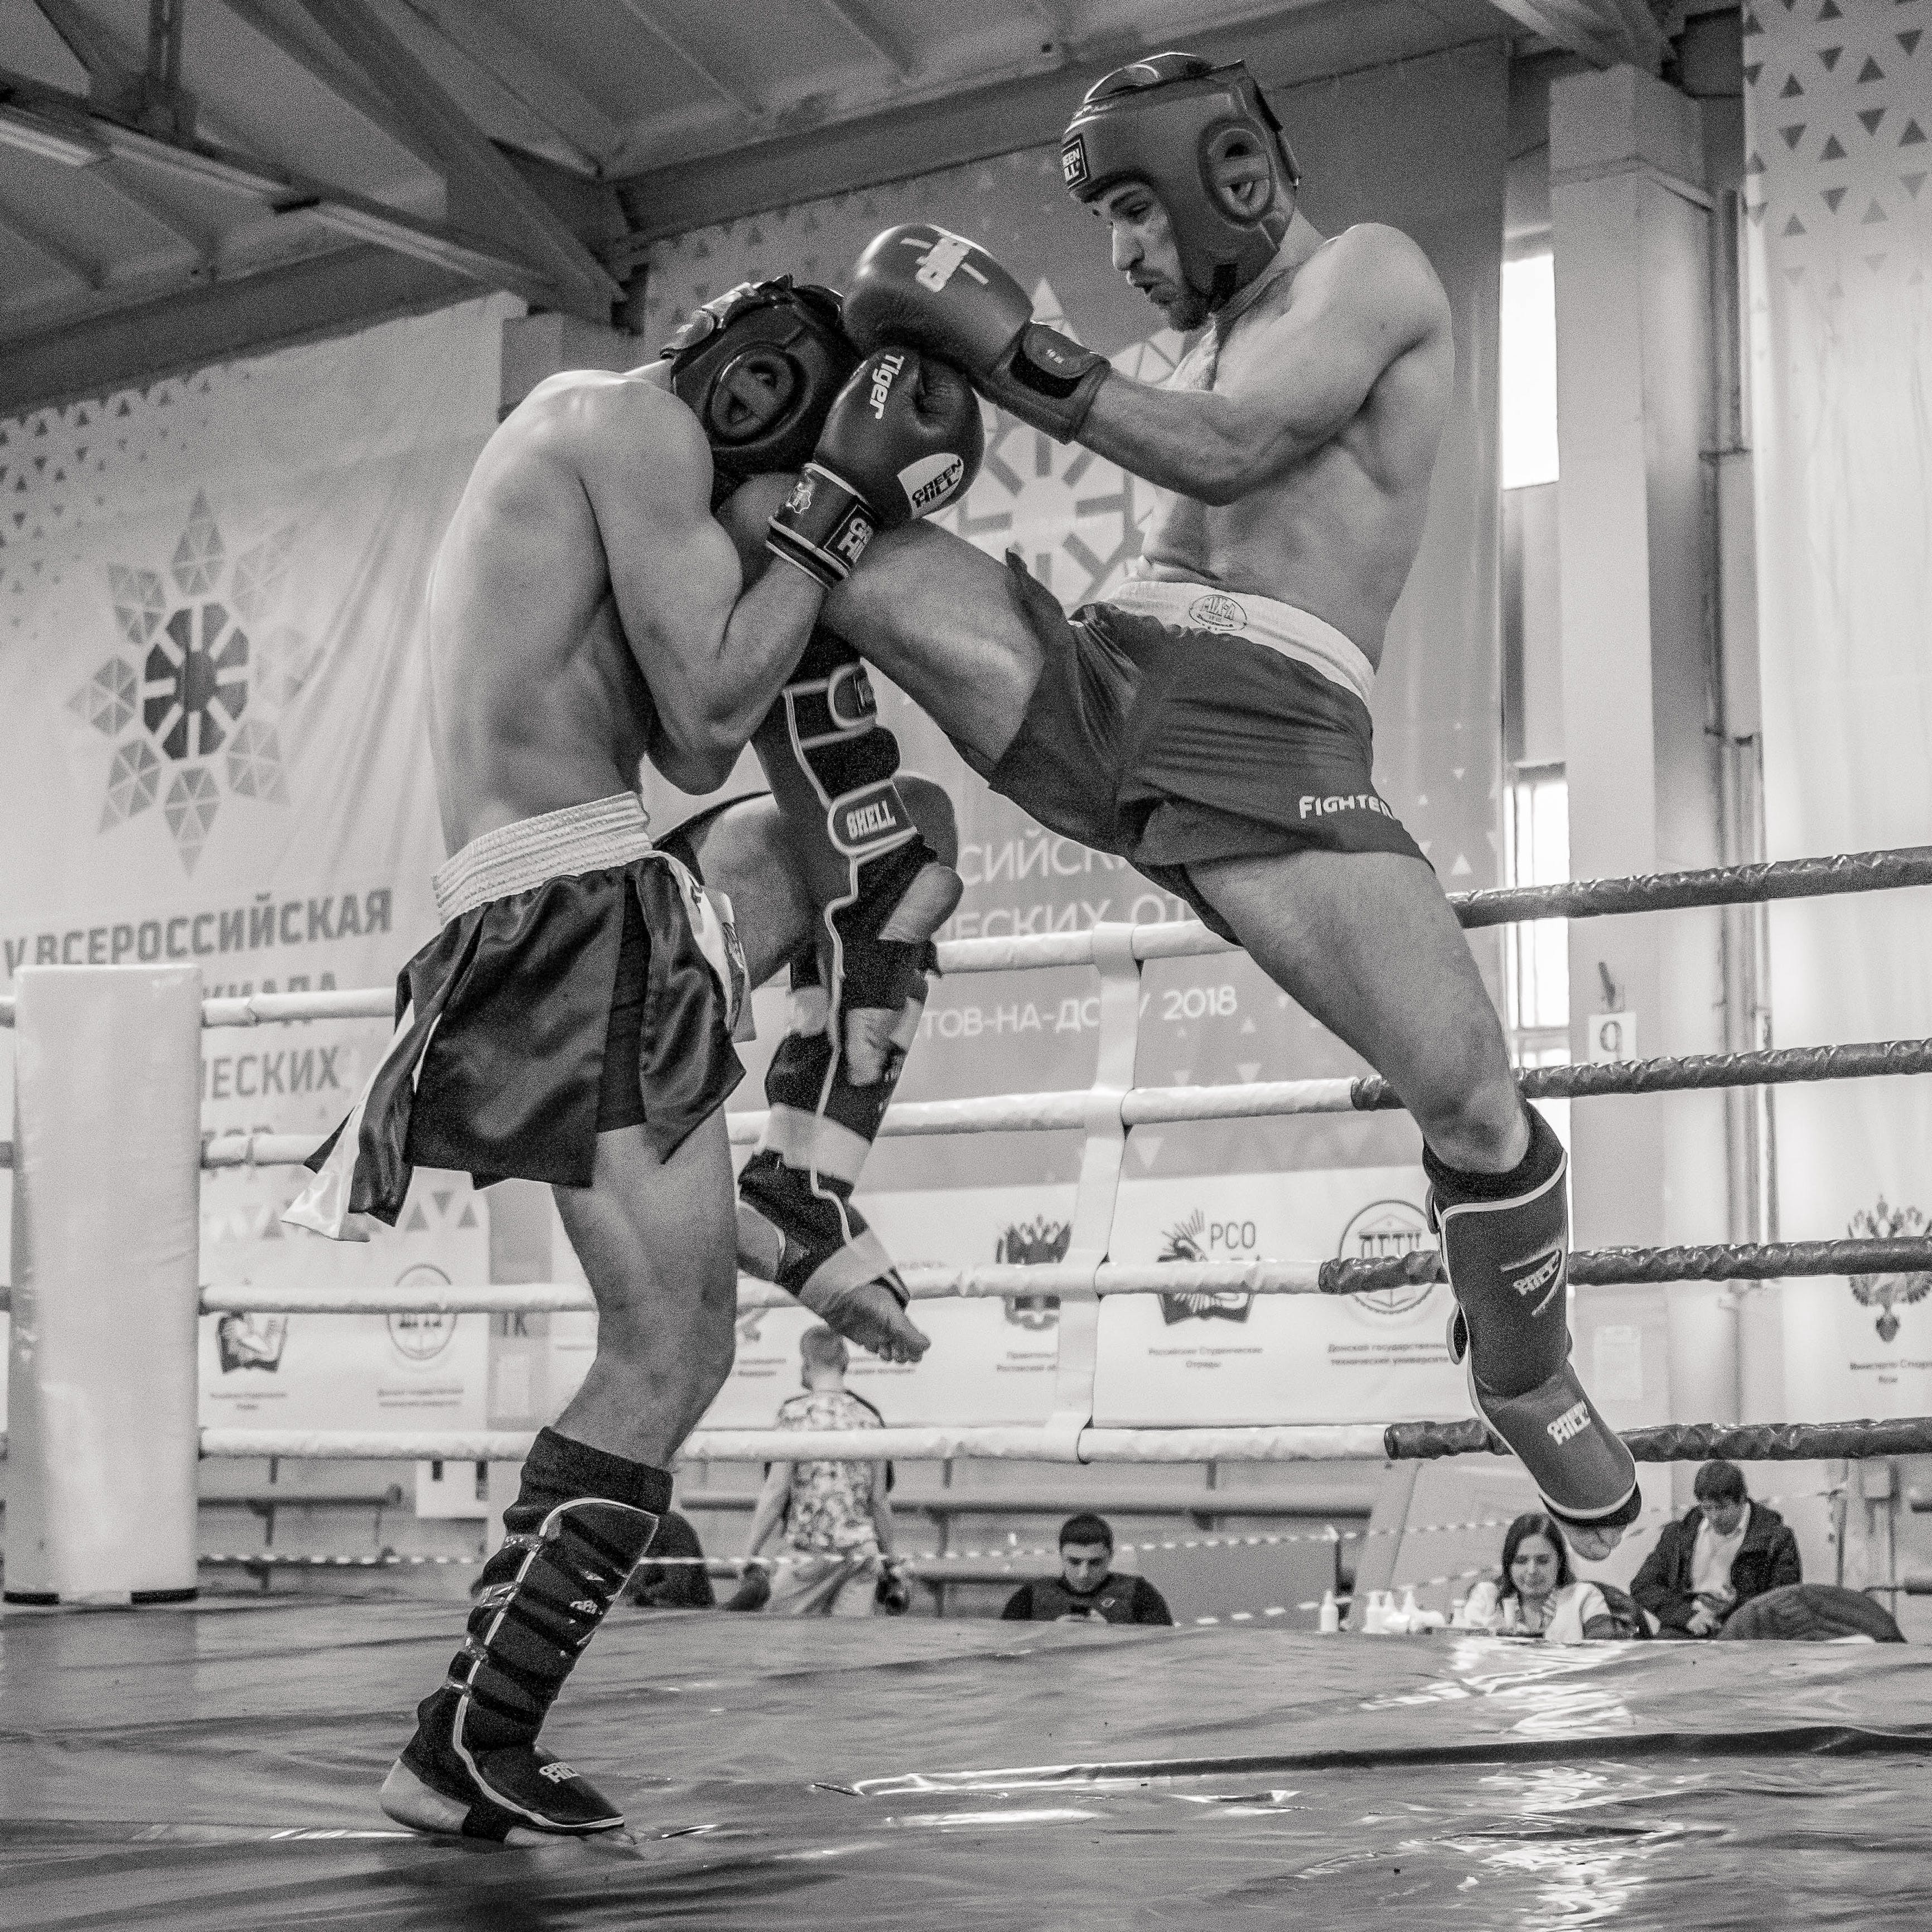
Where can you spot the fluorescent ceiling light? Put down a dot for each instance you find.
(34, 134)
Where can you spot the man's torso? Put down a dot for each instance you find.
(830, 1505)
(537, 701)
(1336, 534)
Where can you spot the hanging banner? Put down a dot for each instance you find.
(1839, 247)
(360, 1372)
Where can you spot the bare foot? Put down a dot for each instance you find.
(872, 1317)
(926, 907)
(1592, 1545)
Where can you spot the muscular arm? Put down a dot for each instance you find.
(1362, 300)
(713, 652)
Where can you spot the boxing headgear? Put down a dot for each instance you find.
(1206, 145)
(759, 369)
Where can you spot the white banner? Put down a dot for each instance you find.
(1840, 282)
(1181, 1360)
(364, 1372)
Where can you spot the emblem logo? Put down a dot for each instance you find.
(1571, 1422)
(1382, 1230)
(558, 1773)
(1183, 1242)
(251, 1342)
(1541, 1274)
(1073, 159)
(1217, 611)
(943, 257)
(1887, 1293)
(1031, 1244)
(194, 699)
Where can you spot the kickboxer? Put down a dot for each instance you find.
(600, 598)
(1210, 721)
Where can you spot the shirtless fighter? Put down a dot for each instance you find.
(1209, 722)
(600, 597)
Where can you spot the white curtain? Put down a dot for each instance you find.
(1839, 111)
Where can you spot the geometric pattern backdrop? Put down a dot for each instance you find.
(1838, 116)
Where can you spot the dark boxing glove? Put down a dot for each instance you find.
(923, 285)
(903, 436)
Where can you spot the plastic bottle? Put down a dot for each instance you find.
(1410, 1612)
(1375, 1618)
(1331, 1614)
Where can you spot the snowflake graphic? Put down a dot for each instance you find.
(193, 695)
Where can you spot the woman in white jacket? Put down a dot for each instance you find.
(1538, 1595)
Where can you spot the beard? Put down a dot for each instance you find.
(1186, 313)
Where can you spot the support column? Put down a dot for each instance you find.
(1631, 231)
(102, 1393)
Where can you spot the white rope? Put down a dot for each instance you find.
(1313, 1442)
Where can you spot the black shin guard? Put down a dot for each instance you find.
(795, 1193)
(580, 1524)
(1506, 1246)
(830, 765)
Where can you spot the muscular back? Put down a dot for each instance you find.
(580, 564)
(1349, 360)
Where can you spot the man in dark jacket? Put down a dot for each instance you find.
(1725, 1552)
(1087, 1591)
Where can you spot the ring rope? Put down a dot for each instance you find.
(1580, 899)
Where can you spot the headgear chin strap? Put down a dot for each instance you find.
(1209, 147)
(759, 368)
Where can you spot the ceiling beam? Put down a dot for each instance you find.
(115, 180)
(885, 46)
(109, 70)
(1572, 28)
(950, 130)
(479, 177)
(324, 64)
(482, 258)
(207, 321)
(45, 245)
(508, 61)
(734, 94)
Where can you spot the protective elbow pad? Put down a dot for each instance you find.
(1508, 1266)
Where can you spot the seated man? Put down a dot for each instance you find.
(1726, 1550)
(1087, 1591)
(597, 600)
(1210, 722)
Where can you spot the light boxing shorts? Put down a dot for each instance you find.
(582, 981)
(1178, 723)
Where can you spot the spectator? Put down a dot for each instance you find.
(1537, 1594)
(1726, 1551)
(1087, 1591)
(672, 1576)
(834, 1519)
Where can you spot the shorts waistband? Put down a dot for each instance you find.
(1294, 633)
(554, 845)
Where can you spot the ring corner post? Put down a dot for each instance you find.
(103, 1383)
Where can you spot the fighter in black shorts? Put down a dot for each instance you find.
(601, 598)
(1209, 720)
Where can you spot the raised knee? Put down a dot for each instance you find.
(932, 812)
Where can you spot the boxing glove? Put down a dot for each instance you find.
(944, 294)
(903, 437)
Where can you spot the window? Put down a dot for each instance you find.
(1536, 954)
(1528, 369)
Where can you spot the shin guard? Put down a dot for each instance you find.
(1506, 1246)
(797, 1222)
(830, 765)
(474, 1766)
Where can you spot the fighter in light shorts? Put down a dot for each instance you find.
(602, 597)
(1210, 721)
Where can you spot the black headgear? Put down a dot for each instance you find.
(759, 368)
(1208, 146)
